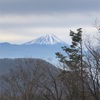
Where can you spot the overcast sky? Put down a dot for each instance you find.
(24, 20)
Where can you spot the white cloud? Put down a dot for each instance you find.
(46, 19)
(23, 28)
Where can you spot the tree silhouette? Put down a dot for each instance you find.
(74, 58)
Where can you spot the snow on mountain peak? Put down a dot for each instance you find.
(45, 39)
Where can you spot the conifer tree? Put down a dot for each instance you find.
(73, 60)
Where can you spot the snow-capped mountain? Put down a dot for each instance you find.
(48, 39)
(43, 47)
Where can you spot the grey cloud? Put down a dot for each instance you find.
(65, 23)
(47, 6)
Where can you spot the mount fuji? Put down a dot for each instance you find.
(43, 47)
(48, 39)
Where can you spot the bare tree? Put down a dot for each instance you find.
(97, 25)
(22, 83)
(93, 69)
(53, 87)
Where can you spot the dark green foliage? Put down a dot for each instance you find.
(74, 52)
(74, 63)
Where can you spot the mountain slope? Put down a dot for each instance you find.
(46, 39)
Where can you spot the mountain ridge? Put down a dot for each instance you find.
(47, 39)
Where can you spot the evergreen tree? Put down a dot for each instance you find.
(73, 60)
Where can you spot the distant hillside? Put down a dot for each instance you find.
(7, 64)
(29, 78)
